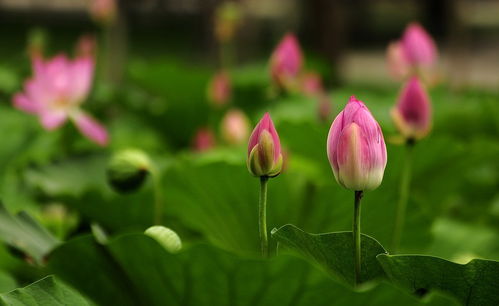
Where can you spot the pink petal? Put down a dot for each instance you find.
(265, 124)
(91, 129)
(52, 119)
(287, 59)
(81, 73)
(23, 103)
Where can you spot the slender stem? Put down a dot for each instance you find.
(356, 235)
(262, 220)
(158, 198)
(405, 183)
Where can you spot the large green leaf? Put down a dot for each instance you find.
(475, 283)
(334, 252)
(44, 292)
(25, 234)
(134, 269)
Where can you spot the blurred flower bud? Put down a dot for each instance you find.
(311, 84)
(398, 66)
(264, 149)
(203, 140)
(286, 62)
(412, 114)
(165, 237)
(86, 46)
(324, 108)
(219, 89)
(128, 170)
(419, 47)
(103, 11)
(227, 20)
(235, 127)
(356, 149)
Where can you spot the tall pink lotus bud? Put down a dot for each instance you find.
(398, 65)
(286, 62)
(412, 114)
(56, 91)
(264, 149)
(235, 127)
(219, 89)
(419, 47)
(356, 148)
(204, 140)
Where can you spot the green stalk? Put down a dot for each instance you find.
(356, 235)
(405, 183)
(158, 197)
(262, 216)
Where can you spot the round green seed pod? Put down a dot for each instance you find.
(165, 237)
(127, 170)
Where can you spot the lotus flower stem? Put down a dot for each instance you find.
(405, 183)
(262, 215)
(356, 235)
(158, 197)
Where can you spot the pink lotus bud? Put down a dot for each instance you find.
(86, 46)
(356, 148)
(398, 66)
(324, 108)
(286, 62)
(419, 47)
(264, 149)
(412, 114)
(103, 11)
(204, 140)
(219, 89)
(311, 84)
(235, 127)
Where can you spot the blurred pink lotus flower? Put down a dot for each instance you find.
(356, 148)
(235, 127)
(286, 62)
(56, 91)
(264, 149)
(204, 140)
(415, 53)
(103, 11)
(412, 114)
(219, 89)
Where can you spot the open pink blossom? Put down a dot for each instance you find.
(264, 149)
(356, 148)
(286, 62)
(219, 89)
(412, 114)
(56, 91)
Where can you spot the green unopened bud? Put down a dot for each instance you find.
(165, 237)
(128, 170)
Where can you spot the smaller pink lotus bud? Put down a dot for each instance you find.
(86, 46)
(204, 140)
(356, 148)
(419, 47)
(219, 89)
(311, 84)
(103, 11)
(398, 66)
(412, 114)
(286, 62)
(264, 149)
(324, 108)
(235, 127)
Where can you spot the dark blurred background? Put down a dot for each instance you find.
(349, 36)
